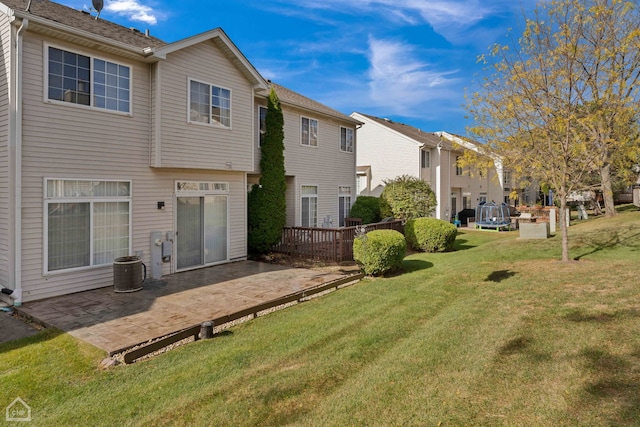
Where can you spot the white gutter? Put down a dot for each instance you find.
(16, 142)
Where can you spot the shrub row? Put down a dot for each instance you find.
(382, 251)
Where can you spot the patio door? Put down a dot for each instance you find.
(202, 231)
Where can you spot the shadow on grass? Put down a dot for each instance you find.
(598, 241)
(459, 245)
(514, 346)
(499, 276)
(615, 383)
(525, 346)
(411, 265)
(627, 208)
(40, 337)
(580, 316)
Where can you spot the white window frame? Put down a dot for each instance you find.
(187, 188)
(309, 196)
(91, 199)
(92, 82)
(347, 139)
(210, 119)
(310, 142)
(425, 159)
(344, 192)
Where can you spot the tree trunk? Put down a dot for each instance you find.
(607, 192)
(564, 229)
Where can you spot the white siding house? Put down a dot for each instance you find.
(115, 143)
(388, 149)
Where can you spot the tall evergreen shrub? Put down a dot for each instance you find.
(267, 201)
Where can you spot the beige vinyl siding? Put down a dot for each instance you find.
(5, 205)
(201, 146)
(63, 141)
(325, 165)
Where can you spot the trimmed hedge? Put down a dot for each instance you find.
(367, 208)
(430, 234)
(380, 251)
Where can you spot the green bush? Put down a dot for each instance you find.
(407, 197)
(380, 251)
(367, 208)
(430, 234)
(267, 203)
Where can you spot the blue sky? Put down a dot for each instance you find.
(408, 60)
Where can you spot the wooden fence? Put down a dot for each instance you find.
(326, 244)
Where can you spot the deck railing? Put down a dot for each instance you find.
(326, 244)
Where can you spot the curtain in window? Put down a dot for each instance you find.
(110, 231)
(69, 233)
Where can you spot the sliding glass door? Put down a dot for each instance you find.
(202, 230)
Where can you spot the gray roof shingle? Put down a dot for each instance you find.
(81, 20)
(429, 139)
(289, 97)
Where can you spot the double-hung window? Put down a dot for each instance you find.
(458, 167)
(425, 159)
(209, 104)
(309, 133)
(88, 222)
(344, 204)
(309, 205)
(346, 139)
(84, 80)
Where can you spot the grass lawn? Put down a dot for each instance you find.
(496, 333)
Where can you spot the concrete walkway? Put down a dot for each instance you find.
(112, 321)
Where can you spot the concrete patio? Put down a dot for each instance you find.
(113, 321)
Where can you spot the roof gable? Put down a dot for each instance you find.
(426, 139)
(224, 43)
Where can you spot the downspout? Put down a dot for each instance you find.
(17, 126)
(439, 182)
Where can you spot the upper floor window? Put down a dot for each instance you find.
(83, 80)
(507, 178)
(425, 159)
(346, 139)
(209, 104)
(458, 167)
(262, 117)
(309, 132)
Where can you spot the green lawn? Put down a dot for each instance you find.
(496, 333)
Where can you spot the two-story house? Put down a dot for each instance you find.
(115, 143)
(388, 149)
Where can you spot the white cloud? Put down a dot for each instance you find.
(400, 82)
(133, 10)
(449, 18)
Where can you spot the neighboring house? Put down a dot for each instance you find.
(320, 159)
(114, 143)
(509, 183)
(387, 149)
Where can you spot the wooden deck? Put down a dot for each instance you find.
(326, 244)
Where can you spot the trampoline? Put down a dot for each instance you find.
(492, 216)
